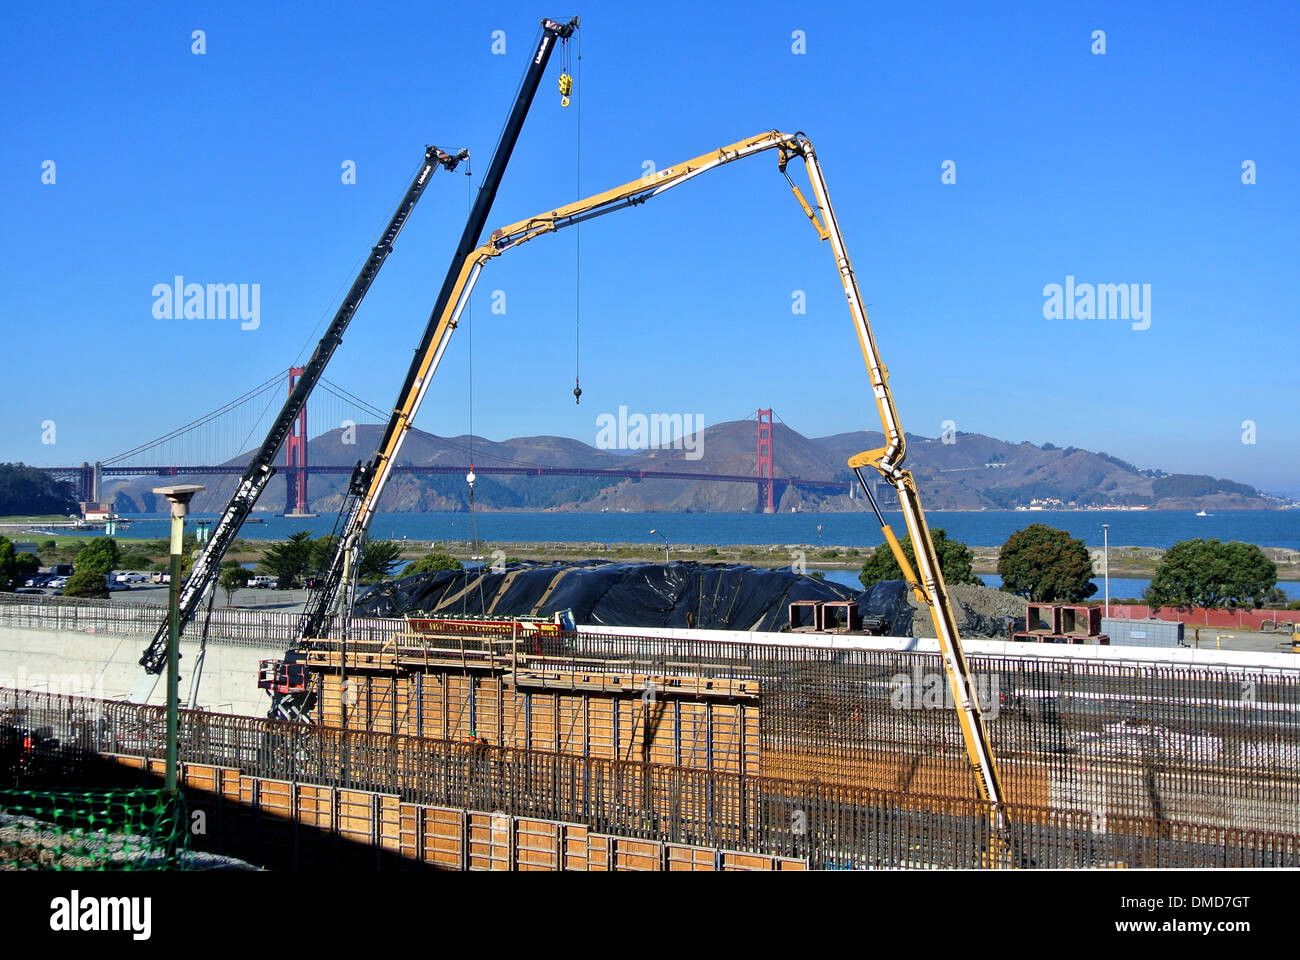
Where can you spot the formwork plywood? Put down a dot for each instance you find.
(410, 831)
(354, 815)
(599, 852)
(572, 725)
(691, 859)
(635, 855)
(444, 837)
(275, 797)
(388, 823)
(537, 844)
(201, 777)
(316, 806)
(601, 734)
(574, 850)
(745, 861)
(381, 704)
(490, 841)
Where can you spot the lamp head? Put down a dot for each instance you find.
(179, 496)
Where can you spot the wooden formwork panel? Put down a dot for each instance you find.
(745, 861)
(543, 727)
(316, 806)
(381, 709)
(388, 823)
(487, 720)
(354, 815)
(612, 723)
(635, 855)
(132, 763)
(201, 776)
(275, 797)
(451, 838)
(692, 859)
(575, 847)
(490, 841)
(538, 844)
(600, 718)
(444, 837)
(599, 852)
(460, 706)
(571, 719)
(410, 831)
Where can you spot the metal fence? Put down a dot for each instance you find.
(835, 826)
(1215, 746)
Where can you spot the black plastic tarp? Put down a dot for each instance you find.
(679, 594)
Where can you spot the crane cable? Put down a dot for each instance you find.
(577, 230)
(469, 353)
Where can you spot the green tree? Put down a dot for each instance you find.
(86, 582)
(288, 561)
(322, 554)
(101, 555)
(954, 560)
(431, 562)
(1207, 573)
(1046, 565)
(378, 560)
(25, 564)
(233, 577)
(8, 564)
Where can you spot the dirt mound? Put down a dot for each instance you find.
(980, 611)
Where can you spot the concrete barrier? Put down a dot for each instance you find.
(104, 665)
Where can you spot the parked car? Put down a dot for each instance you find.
(264, 582)
(35, 590)
(131, 577)
(161, 576)
(58, 583)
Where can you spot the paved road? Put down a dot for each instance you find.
(282, 601)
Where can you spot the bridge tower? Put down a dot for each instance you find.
(295, 458)
(766, 476)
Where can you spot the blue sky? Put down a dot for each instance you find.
(225, 167)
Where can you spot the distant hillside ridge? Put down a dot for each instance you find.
(962, 471)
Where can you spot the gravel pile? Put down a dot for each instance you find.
(980, 611)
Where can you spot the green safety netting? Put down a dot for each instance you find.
(91, 829)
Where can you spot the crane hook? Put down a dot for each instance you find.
(566, 88)
(577, 391)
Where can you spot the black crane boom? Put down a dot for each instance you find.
(262, 467)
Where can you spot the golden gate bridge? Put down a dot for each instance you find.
(221, 441)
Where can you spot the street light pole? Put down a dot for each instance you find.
(179, 498)
(656, 532)
(1105, 562)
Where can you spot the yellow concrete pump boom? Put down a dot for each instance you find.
(926, 580)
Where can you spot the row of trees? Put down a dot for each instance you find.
(1047, 565)
(300, 557)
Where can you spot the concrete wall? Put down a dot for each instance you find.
(105, 665)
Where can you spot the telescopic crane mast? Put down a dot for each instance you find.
(262, 466)
(928, 586)
(340, 578)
